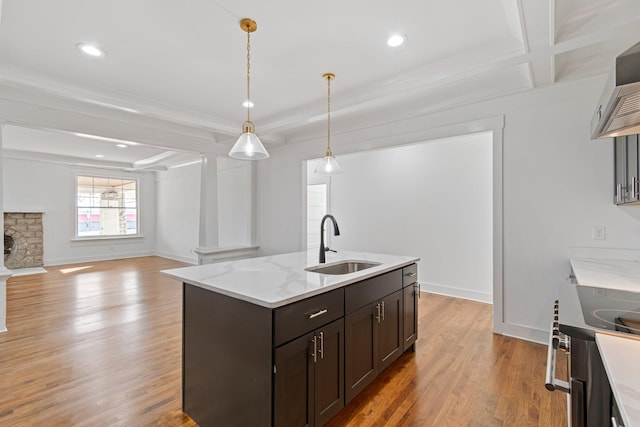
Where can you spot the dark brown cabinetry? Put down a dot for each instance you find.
(390, 329)
(295, 365)
(373, 329)
(309, 377)
(411, 293)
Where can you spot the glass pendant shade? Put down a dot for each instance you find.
(329, 165)
(248, 146)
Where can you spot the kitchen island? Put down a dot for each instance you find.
(268, 343)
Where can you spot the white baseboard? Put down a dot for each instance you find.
(502, 328)
(188, 260)
(526, 333)
(94, 258)
(457, 292)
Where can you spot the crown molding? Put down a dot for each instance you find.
(57, 92)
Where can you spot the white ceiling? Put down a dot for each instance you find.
(173, 78)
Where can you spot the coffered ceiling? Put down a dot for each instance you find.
(172, 81)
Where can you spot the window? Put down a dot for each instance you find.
(106, 206)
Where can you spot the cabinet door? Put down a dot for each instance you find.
(410, 322)
(390, 329)
(329, 372)
(294, 382)
(361, 349)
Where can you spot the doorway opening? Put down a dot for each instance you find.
(432, 199)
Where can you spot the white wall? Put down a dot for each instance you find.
(50, 188)
(432, 200)
(234, 202)
(177, 213)
(557, 184)
(178, 209)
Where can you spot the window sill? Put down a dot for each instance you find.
(110, 238)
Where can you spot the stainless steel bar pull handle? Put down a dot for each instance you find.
(378, 308)
(417, 286)
(315, 349)
(551, 382)
(321, 345)
(318, 313)
(619, 193)
(410, 274)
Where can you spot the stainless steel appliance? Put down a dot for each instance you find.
(589, 393)
(611, 309)
(618, 111)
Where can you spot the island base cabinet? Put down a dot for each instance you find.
(226, 360)
(295, 365)
(411, 290)
(361, 345)
(309, 378)
(410, 333)
(373, 337)
(390, 330)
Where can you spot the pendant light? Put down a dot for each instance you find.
(329, 165)
(248, 146)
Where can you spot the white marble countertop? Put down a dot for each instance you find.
(277, 280)
(620, 357)
(607, 273)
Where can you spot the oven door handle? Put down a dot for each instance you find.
(551, 382)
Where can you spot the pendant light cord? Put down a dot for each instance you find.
(248, 74)
(329, 115)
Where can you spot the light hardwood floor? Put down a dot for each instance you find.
(99, 344)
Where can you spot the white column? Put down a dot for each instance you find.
(4, 273)
(209, 249)
(208, 231)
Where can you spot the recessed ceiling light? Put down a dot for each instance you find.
(396, 40)
(122, 145)
(90, 49)
(99, 156)
(247, 104)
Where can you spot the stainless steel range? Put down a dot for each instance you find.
(610, 309)
(579, 312)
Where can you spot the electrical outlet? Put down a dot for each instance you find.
(599, 232)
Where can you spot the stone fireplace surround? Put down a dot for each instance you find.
(26, 229)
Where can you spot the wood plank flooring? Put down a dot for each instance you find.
(99, 344)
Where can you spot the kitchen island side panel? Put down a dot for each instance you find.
(226, 362)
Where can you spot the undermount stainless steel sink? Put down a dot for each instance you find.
(344, 267)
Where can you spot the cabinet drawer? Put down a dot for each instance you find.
(369, 290)
(298, 318)
(409, 275)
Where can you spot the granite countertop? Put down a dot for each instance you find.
(620, 357)
(277, 280)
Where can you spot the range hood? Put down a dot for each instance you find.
(618, 111)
